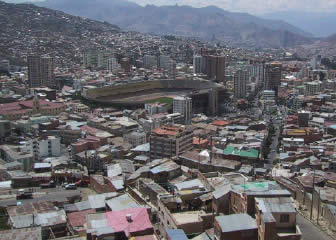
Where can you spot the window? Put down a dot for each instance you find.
(235, 202)
(284, 218)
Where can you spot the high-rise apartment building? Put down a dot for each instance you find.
(172, 70)
(215, 67)
(41, 71)
(240, 83)
(197, 63)
(272, 75)
(312, 88)
(170, 141)
(125, 64)
(220, 69)
(213, 107)
(34, 72)
(257, 73)
(163, 61)
(112, 64)
(96, 58)
(47, 72)
(103, 57)
(150, 61)
(211, 67)
(183, 105)
(90, 58)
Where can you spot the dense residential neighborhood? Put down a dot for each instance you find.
(143, 136)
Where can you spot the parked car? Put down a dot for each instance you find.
(22, 194)
(71, 186)
(82, 183)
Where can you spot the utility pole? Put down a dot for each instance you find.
(312, 202)
(171, 148)
(318, 206)
(199, 156)
(211, 149)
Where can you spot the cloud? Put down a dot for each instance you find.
(253, 6)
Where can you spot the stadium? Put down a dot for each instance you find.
(205, 94)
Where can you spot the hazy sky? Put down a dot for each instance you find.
(251, 6)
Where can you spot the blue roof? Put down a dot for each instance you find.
(176, 234)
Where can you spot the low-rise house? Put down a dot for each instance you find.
(120, 224)
(175, 234)
(235, 226)
(276, 219)
(121, 202)
(243, 196)
(21, 234)
(43, 214)
(78, 222)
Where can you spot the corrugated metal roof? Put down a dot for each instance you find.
(28, 208)
(141, 148)
(220, 192)
(42, 165)
(268, 217)
(98, 201)
(51, 218)
(5, 184)
(21, 234)
(118, 184)
(192, 184)
(78, 219)
(121, 202)
(70, 208)
(165, 167)
(236, 222)
(276, 205)
(22, 221)
(84, 205)
(96, 220)
(140, 220)
(176, 234)
(114, 170)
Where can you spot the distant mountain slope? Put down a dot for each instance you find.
(236, 28)
(26, 28)
(320, 24)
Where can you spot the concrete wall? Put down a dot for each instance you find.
(329, 217)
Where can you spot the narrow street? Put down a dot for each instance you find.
(309, 230)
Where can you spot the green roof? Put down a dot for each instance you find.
(255, 186)
(251, 153)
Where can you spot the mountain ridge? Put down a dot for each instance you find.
(320, 24)
(240, 29)
(30, 29)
